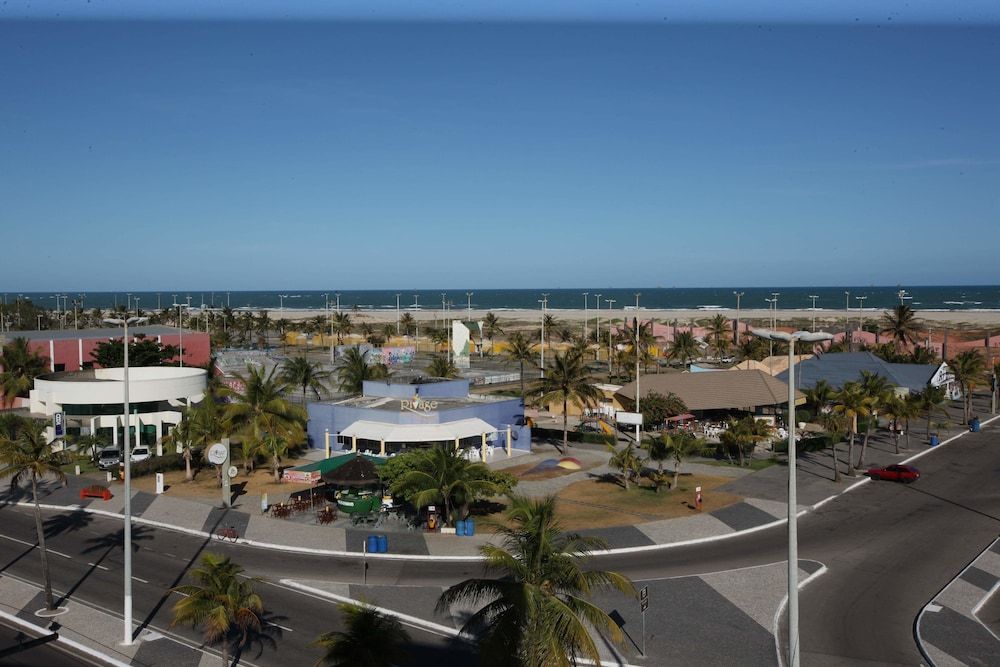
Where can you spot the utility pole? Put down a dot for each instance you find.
(585, 299)
(736, 331)
(397, 313)
(598, 326)
(544, 301)
(814, 297)
(610, 303)
(861, 311)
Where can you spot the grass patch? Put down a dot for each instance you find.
(599, 504)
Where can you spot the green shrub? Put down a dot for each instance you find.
(163, 463)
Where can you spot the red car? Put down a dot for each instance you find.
(895, 473)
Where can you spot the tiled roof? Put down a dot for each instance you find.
(735, 390)
(841, 367)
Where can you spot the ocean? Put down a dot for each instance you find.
(935, 298)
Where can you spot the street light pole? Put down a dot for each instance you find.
(736, 332)
(544, 301)
(610, 303)
(180, 329)
(792, 510)
(814, 297)
(397, 313)
(861, 311)
(585, 299)
(598, 326)
(127, 458)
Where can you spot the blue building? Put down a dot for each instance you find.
(393, 415)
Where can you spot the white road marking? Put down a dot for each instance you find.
(101, 567)
(278, 625)
(35, 546)
(140, 579)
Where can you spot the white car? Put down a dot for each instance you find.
(139, 454)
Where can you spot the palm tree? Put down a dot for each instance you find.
(223, 602)
(834, 424)
(568, 380)
(879, 393)
(744, 435)
(262, 408)
(442, 366)
(923, 355)
(852, 402)
(407, 323)
(439, 337)
(900, 409)
(520, 350)
(900, 323)
(683, 347)
(679, 446)
(820, 396)
(341, 325)
(491, 327)
(535, 591)
(929, 400)
(355, 369)
(299, 371)
(276, 448)
(658, 449)
(625, 461)
(751, 347)
(21, 365)
(371, 639)
(550, 324)
(29, 456)
(388, 331)
(719, 333)
(968, 368)
(445, 477)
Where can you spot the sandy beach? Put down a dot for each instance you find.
(969, 318)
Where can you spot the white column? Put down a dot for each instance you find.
(52, 356)
(456, 444)
(482, 448)
(381, 449)
(354, 443)
(326, 435)
(79, 342)
(508, 442)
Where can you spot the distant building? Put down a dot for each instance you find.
(69, 349)
(838, 368)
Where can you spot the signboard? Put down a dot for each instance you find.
(644, 605)
(59, 424)
(629, 418)
(644, 593)
(301, 476)
(217, 454)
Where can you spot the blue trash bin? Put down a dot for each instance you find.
(974, 425)
(470, 528)
(460, 527)
(372, 544)
(934, 441)
(383, 544)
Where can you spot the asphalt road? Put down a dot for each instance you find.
(44, 654)
(889, 549)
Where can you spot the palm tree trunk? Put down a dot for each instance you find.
(836, 463)
(43, 554)
(864, 446)
(187, 464)
(276, 464)
(850, 456)
(906, 424)
(522, 382)
(565, 427)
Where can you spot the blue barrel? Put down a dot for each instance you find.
(383, 544)
(372, 544)
(460, 527)
(470, 528)
(935, 441)
(975, 425)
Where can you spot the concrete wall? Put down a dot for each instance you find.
(431, 390)
(73, 352)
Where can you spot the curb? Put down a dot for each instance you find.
(69, 643)
(474, 559)
(784, 603)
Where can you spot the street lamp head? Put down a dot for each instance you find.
(803, 336)
(130, 320)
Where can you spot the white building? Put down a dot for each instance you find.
(91, 400)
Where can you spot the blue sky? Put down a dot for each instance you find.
(267, 155)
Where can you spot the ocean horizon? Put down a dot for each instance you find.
(928, 298)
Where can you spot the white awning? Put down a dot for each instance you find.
(448, 431)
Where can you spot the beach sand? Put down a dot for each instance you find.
(968, 318)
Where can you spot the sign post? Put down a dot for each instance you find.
(218, 454)
(643, 606)
(59, 424)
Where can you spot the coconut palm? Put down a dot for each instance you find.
(534, 593)
(834, 423)
(852, 402)
(407, 323)
(819, 396)
(568, 380)
(719, 333)
(355, 369)
(342, 325)
(21, 365)
(923, 355)
(300, 372)
(879, 393)
(626, 461)
(370, 638)
(260, 408)
(520, 350)
(929, 400)
(223, 602)
(899, 409)
(442, 366)
(29, 457)
(388, 330)
(969, 369)
(491, 327)
(445, 477)
(744, 435)
(751, 347)
(900, 324)
(550, 324)
(683, 347)
(638, 334)
(679, 446)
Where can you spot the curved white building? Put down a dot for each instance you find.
(91, 400)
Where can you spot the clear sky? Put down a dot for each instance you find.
(272, 154)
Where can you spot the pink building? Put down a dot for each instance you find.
(69, 349)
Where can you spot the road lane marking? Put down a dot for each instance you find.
(34, 545)
(278, 625)
(140, 579)
(100, 567)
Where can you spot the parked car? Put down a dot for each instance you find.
(140, 454)
(895, 473)
(109, 458)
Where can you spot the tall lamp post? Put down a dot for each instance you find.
(814, 297)
(793, 537)
(180, 330)
(544, 301)
(397, 313)
(126, 457)
(585, 300)
(736, 330)
(598, 357)
(861, 311)
(610, 303)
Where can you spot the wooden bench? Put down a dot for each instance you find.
(95, 491)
